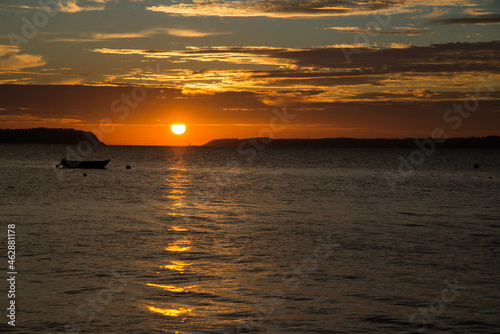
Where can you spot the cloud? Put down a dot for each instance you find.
(158, 31)
(101, 37)
(65, 6)
(232, 55)
(322, 75)
(434, 58)
(477, 11)
(466, 20)
(12, 60)
(36, 119)
(194, 33)
(409, 31)
(435, 12)
(72, 6)
(126, 35)
(295, 9)
(274, 8)
(16, 6)
(455, 66)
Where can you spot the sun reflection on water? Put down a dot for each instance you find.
(170, 288)
(177, 183)
(179, 246)
(169, 312)
(178, 229)
(175, 214)
(175, 197)
(177, 266)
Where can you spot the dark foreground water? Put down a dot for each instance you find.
(200, 240)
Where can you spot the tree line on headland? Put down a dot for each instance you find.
(47, 136)
(471, 142)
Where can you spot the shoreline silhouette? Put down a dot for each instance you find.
(47, 136)
(490, 142)
(72, 136)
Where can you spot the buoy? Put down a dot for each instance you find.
(476, 166)
(128, 167)
(84, 174)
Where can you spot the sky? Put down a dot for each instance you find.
(128, 69)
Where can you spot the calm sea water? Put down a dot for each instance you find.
(200, 240)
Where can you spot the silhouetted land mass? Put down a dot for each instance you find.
(471, 142)
(47, 136)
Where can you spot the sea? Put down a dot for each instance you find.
(270, 240)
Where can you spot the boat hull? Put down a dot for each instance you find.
(85, 164)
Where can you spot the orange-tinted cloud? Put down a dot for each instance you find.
(102, 37)
(299, 9)
(441, 72)
(12, 59)
(456, 56)
(73, 6)
(272, 8)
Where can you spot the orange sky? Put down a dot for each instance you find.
(112, 114)
(229, 69)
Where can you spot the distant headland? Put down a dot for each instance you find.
(471, 142)
(47, 136)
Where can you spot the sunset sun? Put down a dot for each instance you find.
(178, 129)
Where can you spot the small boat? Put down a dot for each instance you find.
(83, 164)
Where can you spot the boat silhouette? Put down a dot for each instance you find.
(83, 164)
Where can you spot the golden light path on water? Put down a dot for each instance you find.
(170, 288)
(177, 266)
(176, 185)
(179, 246)
(169, 312)
(178, 229)
(176, 197)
